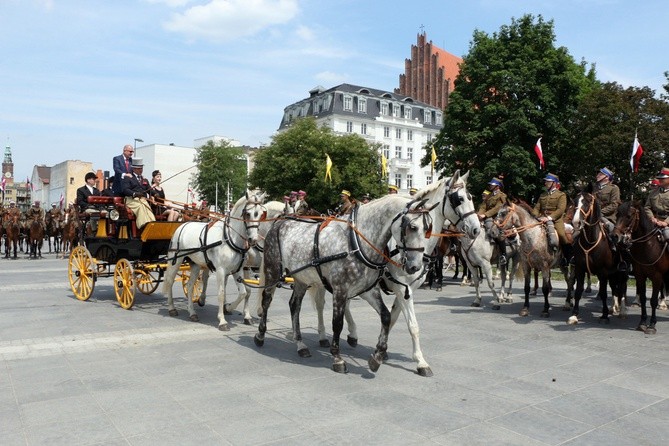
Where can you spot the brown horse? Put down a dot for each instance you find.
(55, 230)
(12, 232)
(71, 229)
(648, 253)
(35, 238)
(594, 255)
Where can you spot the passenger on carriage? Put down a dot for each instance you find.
(293, 200)
(488, 210)
(86, 210)
(135, 190)
(550, 209)
(301, 205)
(657, 204)
(159, 205)
(122, 168)
(287, 208)
(36, 213)
(365, 199)
(109, 190)
(346, 203)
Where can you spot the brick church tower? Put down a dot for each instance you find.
(429, 74)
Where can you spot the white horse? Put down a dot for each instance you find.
(220, 247)
(346, 258)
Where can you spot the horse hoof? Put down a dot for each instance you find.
(496, 307)
(224, 327)
(524, 312)
(248, 321)
(374, 363)
(353, 342)
(194, 318)
(475, 304)
(604, 320)
(566, 307)
(304, 353)
(339, 367)
(258, 342)
(650, 331)
(226, 311)
(438, 289)
(425, 371)
(642, 327)
(324, 343)
(545, 314)
(573, 320)
(384, 355)
(173, 313)
(201, 302)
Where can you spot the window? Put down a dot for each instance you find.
(362, 105)
(386, 151)
(71, 180)
(428, 179)
(410, 153)
(349, 127)
(398, 151)
(348, 103)
(386, 132)
(384, 109)
(363, 129)
(396, 110)
(439, 118)
(407, 112)
(398, 133)
(409, 181)
(428, 117)
(410, 135)
(398, 180)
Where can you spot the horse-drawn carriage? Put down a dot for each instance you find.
(136, 260)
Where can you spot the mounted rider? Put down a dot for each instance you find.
(487, 211)
(347, 203)
(609, 197)
(550, 210)
(657, 204)
(55, 216)
(36, 213)
(9, 214)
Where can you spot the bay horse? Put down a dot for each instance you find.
(534, 250)
(218, 246)
(346, 258)
(36, 239)
(593, 255)
(637, 234)
(71, 229)
(53, 230)
(13, 233)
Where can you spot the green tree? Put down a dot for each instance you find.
(295, 159)
(513, 87)
(220, 164)
(608, 119)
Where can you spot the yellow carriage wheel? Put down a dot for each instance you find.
(197, 289)
(124, 284)
(147, 281)
(81, 272)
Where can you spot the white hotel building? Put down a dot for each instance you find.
(401, 126)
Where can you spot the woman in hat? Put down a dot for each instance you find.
(301, 205)
(657, 203)
(159, 205)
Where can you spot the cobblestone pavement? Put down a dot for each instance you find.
(82, 373)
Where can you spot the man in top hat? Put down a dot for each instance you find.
(36, 213)
(392, 189)
(122, 167)
(301, 205)
(488, 210)
(346, 203)
(657, 203)
(550, 209)
(135, 190)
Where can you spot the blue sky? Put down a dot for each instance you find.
(81, 78)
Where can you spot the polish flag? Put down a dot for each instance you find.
(637, 151)
(539, 152)
(2, 186)
(60, 205)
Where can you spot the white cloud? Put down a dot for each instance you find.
(226, 20)
(305, 33)
(330, 78)
(171, 3)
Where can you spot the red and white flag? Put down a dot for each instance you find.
(60, 205)
(3, 184)
(637, 151)
(540, 153)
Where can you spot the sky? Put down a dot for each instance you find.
(81, 78)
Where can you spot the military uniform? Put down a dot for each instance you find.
(10, 212)
(56, 216)
(35, 214)
(609, 199)
(657, 204)
(553, 204)
(492, 204)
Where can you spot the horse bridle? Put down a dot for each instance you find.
(407, 222)
(451, 194)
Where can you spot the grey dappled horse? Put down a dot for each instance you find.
(346, 258)
(219, 246)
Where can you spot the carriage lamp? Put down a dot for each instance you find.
(113, 215)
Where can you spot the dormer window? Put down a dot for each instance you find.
(362, 105)
(348, 103)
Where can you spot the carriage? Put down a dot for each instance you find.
(136, 260)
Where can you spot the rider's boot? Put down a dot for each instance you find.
(553, 242)
(501, 246)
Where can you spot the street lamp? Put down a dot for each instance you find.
(136, 141)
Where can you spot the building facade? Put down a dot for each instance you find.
(12, 190)
(430, 74)
(402, 127)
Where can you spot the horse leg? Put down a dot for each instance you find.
(373, 297)
(338, 309)
(318, 298)
(222, 279)
(488, 276)
(653, 306)
(580, 279)
(407, 308)
(475, 280)
(295, 305)
(527, 272)
(588, 289)
(546, 289)
(642, 303)
(536, 282)
(168, 281)
(352, 338)
(603, 295)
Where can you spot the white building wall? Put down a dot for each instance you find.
(177, 165)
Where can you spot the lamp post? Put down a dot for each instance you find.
(136, 141)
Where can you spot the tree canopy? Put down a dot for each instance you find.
(219, 165)
(513, 87)
(296, 159)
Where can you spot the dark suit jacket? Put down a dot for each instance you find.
(131, 186)
(82, 197)
(119, 170)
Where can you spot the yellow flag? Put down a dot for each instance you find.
(328, 166)
(434, 159)
(384, 166)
